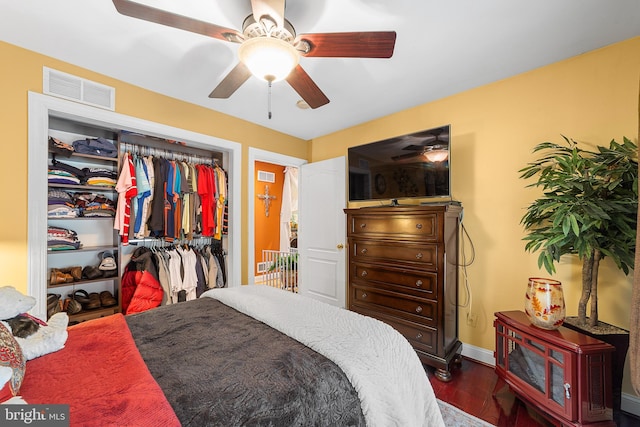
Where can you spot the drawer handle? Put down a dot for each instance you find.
(419, 226)
(364, 295)
(364, 273)
(364, 251)
(363, 225)
(419, 255)
(419, 336)
(418, 283)
(419, 309)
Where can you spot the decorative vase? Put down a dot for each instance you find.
(544, 303)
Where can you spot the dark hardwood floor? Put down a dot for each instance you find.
(472, 387)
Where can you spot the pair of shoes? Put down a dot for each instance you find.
(107, 299)
(108, 262)
(58, 277)
(53, 304)
(71, 306)
(75, 272)
(86, 300)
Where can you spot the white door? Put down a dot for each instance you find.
(321, 231)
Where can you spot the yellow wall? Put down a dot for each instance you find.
(592, 98)
(22, 72)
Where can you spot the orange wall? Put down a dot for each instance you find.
(267, 228)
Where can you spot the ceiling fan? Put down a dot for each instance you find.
(267, 38)
(431, 145)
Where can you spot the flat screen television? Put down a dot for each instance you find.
(415, 165)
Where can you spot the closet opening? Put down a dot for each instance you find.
(49, 114)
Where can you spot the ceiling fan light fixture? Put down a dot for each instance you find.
(436, 153)
(268, 58)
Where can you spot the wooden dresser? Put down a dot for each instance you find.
(403, 270)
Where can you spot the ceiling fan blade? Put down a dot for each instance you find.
(272, 9)
(231, 82)
(302, 83)
(415, 147)
(406, 156)
(159, 16)
(371, 44)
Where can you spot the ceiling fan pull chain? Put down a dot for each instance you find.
(269, 100)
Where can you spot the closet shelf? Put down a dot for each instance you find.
(82, 187)
(82, 282)
(83, 249)
(90, 156)
(81, 218)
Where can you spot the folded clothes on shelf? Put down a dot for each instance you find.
(62, 204)
(59, 239)
(96, 146)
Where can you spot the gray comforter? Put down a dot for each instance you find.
(219, 367)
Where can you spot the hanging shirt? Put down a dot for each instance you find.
(126, 188)
(144, 191)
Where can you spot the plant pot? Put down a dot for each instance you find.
(618, 338)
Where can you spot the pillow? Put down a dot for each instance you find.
(10, 357)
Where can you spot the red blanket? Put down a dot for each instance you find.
(102, 376)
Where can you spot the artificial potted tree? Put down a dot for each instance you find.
(588, 208)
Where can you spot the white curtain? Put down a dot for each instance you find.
(289, 206)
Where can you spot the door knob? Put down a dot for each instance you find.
(340, 246)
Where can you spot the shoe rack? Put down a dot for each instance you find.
(96, 234)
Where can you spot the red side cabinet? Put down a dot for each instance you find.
(565, 374)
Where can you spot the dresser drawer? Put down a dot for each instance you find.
(423, 284)
(422, 226)
(424, 256)
(420, 310)
(420, 337)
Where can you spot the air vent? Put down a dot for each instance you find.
(264, 176)
(71, 87)
(263, 267)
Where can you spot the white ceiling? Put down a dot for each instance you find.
(442, 48)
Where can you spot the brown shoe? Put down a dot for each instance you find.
(94, 301)
(107, 300)
(59, 277)
(53, 304)
(72, 306)
(76, 272)
(81, 296)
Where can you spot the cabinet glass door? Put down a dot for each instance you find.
(525, 363)
(540, 366)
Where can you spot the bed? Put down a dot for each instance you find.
(250, 355)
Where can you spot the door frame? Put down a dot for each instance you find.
(256, 154)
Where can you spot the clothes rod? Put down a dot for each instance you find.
(166, 145)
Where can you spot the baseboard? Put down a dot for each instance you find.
(478, 354)
(630, 403)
